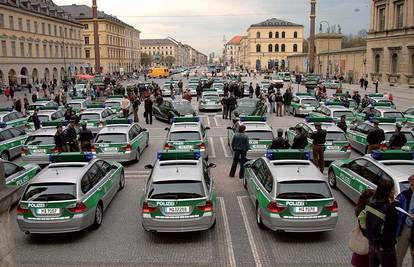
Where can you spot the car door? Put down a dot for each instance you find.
(353, 180)
(12, 144)
(18, 138)
(253, 179)
(110, 180)
(12, 173)
(209, 182)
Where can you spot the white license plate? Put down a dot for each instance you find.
(185, 147)
(176, 210)
(110, 149)
(333, 147)
(49, 211)
(306, 209)
(39, 151)
(90, 125)
(260, 146)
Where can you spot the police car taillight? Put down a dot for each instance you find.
(54, 150)
(93, 148)
(202, 146)
(348, 147)
(383, 146)
(168, 146)
(128, 147)
(100, 123)
(20, 210)
(333, 207)
(208, 206)
(79, 208)
(23, 151)
(274, 208)
(147, 209)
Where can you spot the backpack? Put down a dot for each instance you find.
(363, 217)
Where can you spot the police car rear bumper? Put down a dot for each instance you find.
(38, 159)
(336, 155)
(166, 224)
(209, 107)
(256, 153)
(118, 157)
(300, 224)
(77, 223)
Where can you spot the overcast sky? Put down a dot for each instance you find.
(203, 23)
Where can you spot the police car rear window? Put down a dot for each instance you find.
(409, 136)
(338, 114)
(393, 115)
(309, 102)
(90, 116)
(335, 136)
(50, 192)
(259, 135)
(303, 190)
(74, 105)
(176, 190)
(36, 140)
(112, 138)
(113, 104)
(184, 136)
(43, 118)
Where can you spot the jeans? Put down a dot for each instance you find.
(238, 157)
(225, 112)
(318, 156)
(385, 257)
(403, 243)
(148, 117)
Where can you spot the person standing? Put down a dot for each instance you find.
(251, 90)
(240, 145)
(287, 99)
(279, 104)
(18, 105)
(135, 107)
(29, 86)
(257, 92)
(60, 139)
(35, 119)
(85, 138)
(71, 137)
(398, 139)
(365, 84)
(125, 103)
(11, 92)
(148, 110)
(381, 225)
(375, 137)
(280, 142)
(224, 104)
(342, 124)
(376, 83)
(357, 98)
(300, 141)
(318, 146)
(231, 104)
(26, 104)
(361, 82)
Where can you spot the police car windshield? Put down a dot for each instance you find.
(309, 102)
(112, 138)
(36, 140)
(42, 118)
(303, 190)
(50, 192)
(405, 168)
(184, 136)
(74, 105)
(181, 104)
(409, 136)
(89, 116)
(335, 136)
(259, 135)
(113, 104)
(176, 190)
(338, 114)
(393, 115)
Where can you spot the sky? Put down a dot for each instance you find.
(204, 24)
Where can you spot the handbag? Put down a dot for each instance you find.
(357, 242)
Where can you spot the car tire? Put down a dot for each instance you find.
(332, 178)
(5, 156)
(213, 225)
(259, 218)
(98, 218)
(122, 181)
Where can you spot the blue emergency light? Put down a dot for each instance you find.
(70, 157)
(286, 154)
(382, 120)
(319, 119)
(3, 125)
(392, 154)
(186, 119)
(9, 109)
(253, 118)
(179, 155)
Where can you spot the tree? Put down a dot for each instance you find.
(169, 60)
(359, 39)
(146, 59)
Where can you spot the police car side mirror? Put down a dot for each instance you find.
(114, 167)
(149, 167)
(211, 165)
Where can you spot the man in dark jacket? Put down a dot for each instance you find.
(287, 99)
(375, 137)
(398, 139)
(257, 92)
(231, 103)
(357, 98)
(240, 145)
(318, 146)
(60, 140)
(71, 137)
(251, 90)
(85, 138)
(342, 124)
(300, 141)
(36, 120)
(224, 103)
(148, 110)
(280, 142)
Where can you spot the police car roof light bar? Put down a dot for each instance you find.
(9, 109)
(333, 103)
(119, 121)
(253, 118)
(49, 108)
(54, 123)
(303, 94)
(392, 155)
(383, 104)
(71, 157)
(186, 119)
(3, 125)
(96, 105)
(376, 95)
(327, 119)
(382, 120)
(286, 154)
(179, 155)
(115, 96)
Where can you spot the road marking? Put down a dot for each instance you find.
(208, 121)
(249, 232)
(230, 250)
(212, 148)
(226, 154)
(216, 121)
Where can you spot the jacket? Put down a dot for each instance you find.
(403, 201)
(300, 142)
(375, 136)
(398, 140)
(240, 142)
(280, 143)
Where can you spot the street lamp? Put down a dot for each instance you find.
(328, 31)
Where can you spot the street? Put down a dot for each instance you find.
(235, 241)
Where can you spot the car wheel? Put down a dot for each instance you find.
(5, 156)
(98, 216)
(259, 218)
(332, 178)
(213, 225)
(122, 181)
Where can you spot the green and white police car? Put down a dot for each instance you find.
(219, 87)
(121, 140)
(193, 88)
(18, 174)
(46, 115)
(11, 141)
(289, 193)
(78, 104)
(188, 133)
(302, 104)
(114, 103)
(409, 115)
(210, 101)
(353, 176)
(96, 117)
(333, 112)
(13, 118)
(259, 132)
(42, 103)
(69, 195)
(382, 112)
(336, 146)
(180, 195)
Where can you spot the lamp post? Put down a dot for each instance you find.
(312, 37)
(328, 31)
(96, 36)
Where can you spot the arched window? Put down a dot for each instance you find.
(377, 63)
(282, 48)
(270, 35)
(276, 48)
(258, 48)
(283, 35)
(295, 35)
(270, 48)
(258, 35)
(295, 48)
(394, 64)
(277, 35)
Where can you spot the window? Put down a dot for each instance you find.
(10, 169)
(3, 48)
(55, 30)
(412, 64)
(50, 51)
(20, 24)
(277, 35)
(44, 50)
(86, 40)
(270, 35)
(49, 29)
(95, 175)
(43, 28)
(7, 134)
(258, 48)
(104, 166)
(71, 52)
(56, 51)
(276, 48)
(11, 23)
(283, 35)
(86, 26)
(28, 28)
(87, 53)
(35, 27)
(1, 21)
(30, 47)
(258, 35)
(270, 48)
(295, 35)
(16, 132)
(357, 166)
(377, 63)
(295, 48)
(37, 51)
(381, 19)
(394, 64)
(283, 48)
(22, 49)
(399, 16)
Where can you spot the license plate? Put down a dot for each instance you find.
(176, 210)
(259, 146)
(49, 211)
(90, 125)
(333, 147)
(39, 151)
(110, 149)
(306, 209)
(184, 147)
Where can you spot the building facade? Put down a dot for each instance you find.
(39, 42)
(390, 44)
(232, 52)
(119, 42)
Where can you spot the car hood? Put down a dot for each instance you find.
(184, 110)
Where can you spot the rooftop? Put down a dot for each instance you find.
(165, 41)
(235, 40)
(274, 22)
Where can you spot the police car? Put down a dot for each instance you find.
(188, 133)
(259, 132)
(121, 140)
(264, 87)
(78, 104)
(336, 146)
(13, 118)
(303, 104)
(409, 115)
(357, 134)
(179, 195)
(210, 101)
(42, 103)
(11, 141)
(46, 115)
(353, 176)
(19, 174)
(380, 99)
(382, 112)
(219, 87)
(69, 195)
(193, 88)
(114, 103)
(96, 117)
(289, 193)
(333, 111)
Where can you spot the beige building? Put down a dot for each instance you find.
(390, 45)
(39, 42)
(119, 42)
(269, 43)
(231, 55)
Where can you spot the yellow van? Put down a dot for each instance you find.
(159, 72)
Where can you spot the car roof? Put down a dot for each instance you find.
(120, 128)
(170, 170)
(337, 108)
(117, 100)
(400, 176)
(40, 103)
(294, 170)
(93, 110)
(387, 127)
(62, 173)
(329, 127)
(44, 131)
(256, 126)
(77, 101)
(47, 112)
(185, 126)
(385, 109)
(303, 97)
